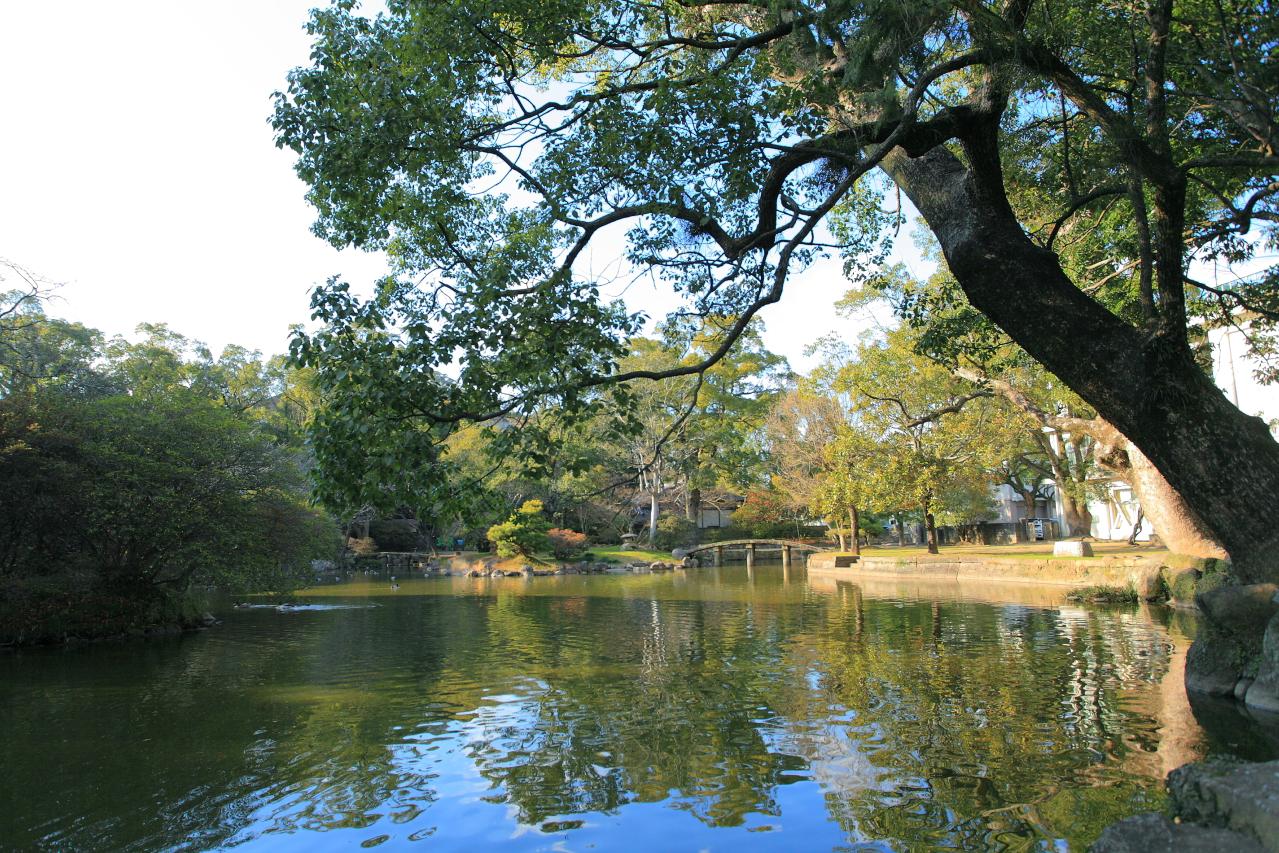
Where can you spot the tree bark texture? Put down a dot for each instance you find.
(694, 507)
(1076, 515)
(1169, 515)
(930, 525)
(1224, 464)
(652, 520)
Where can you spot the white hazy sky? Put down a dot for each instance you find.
(137, 167)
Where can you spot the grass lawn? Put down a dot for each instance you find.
(618, 554)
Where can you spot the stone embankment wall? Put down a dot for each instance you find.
(1142, 573)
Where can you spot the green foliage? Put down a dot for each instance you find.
(37, 351)
(44, 610)
(168, 491)
(400, 115)
(733, 144)
(672, 532)
(922, 437)
(524, 534)
(1104, 594)
(147, 482)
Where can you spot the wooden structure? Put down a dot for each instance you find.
(750, 546)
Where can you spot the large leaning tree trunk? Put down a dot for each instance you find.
(1223, 463)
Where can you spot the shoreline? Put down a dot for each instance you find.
(1146, 574)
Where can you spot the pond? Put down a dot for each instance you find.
(714, 709)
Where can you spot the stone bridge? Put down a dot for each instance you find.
(750, 546)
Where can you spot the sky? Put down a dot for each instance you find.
(138, 170)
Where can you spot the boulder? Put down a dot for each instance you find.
(1072, 548)
(1220, 804)
(1154, 833)
(1243, 610)
(1263, 693)
(1242, 797)
(679, 553)
(1229, 644)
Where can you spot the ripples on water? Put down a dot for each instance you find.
(708, 710)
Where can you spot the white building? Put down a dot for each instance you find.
(1116, 512)
(1234, 371)
(1114, 516)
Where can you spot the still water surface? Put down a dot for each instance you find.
(708, 710)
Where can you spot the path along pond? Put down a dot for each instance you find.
(714, 709)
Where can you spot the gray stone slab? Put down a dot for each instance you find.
(1241, 797)
(1072, 548)
(1154, 833)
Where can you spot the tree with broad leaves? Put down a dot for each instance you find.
(488, 145)
(918, 435)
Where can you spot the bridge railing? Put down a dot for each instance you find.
(718, 549)
(738, 544)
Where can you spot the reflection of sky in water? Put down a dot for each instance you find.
(705, 710)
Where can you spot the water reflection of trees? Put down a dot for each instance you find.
(929, 724)
(643, 701)
(980, 720)
(946, 722)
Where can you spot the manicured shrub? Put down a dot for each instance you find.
(672, 532)
(523, 534)
(566, 544)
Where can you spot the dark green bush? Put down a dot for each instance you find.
(394, 534)
(1104, 594)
